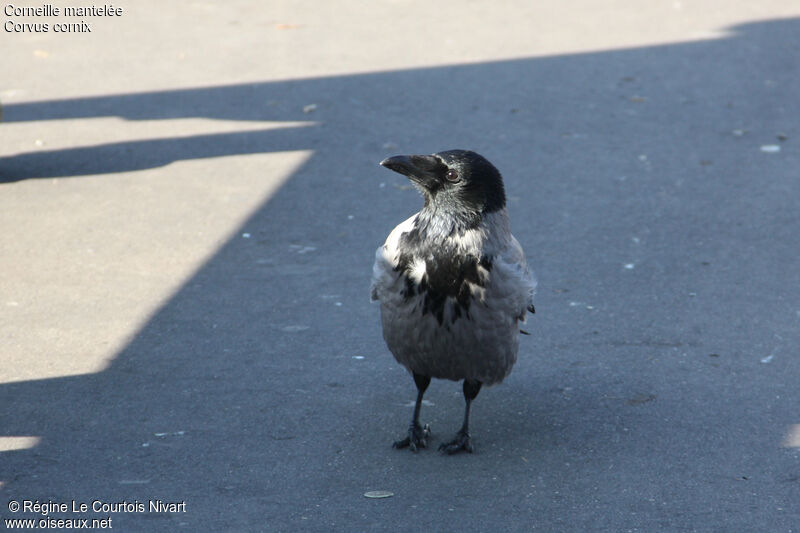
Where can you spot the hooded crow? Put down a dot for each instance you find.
(452, 283)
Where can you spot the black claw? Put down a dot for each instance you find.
(461, 442)
(416, 439)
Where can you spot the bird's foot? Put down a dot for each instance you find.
(416, 439)
(461, 442)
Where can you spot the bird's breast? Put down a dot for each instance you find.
(444, 285)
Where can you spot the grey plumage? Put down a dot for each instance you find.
(452, 282)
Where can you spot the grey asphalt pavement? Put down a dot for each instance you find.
(191, 199)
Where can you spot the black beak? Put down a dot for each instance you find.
(426, 170)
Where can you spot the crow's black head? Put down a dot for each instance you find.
(458, 182)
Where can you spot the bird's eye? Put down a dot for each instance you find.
(452, 175)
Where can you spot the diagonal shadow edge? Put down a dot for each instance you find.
(263, 100)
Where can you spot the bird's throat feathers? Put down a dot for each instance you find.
(436, 225)
(432, 233)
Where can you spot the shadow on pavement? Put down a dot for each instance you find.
(640, 400)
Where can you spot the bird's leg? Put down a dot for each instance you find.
(462, 439)
(417, 434)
